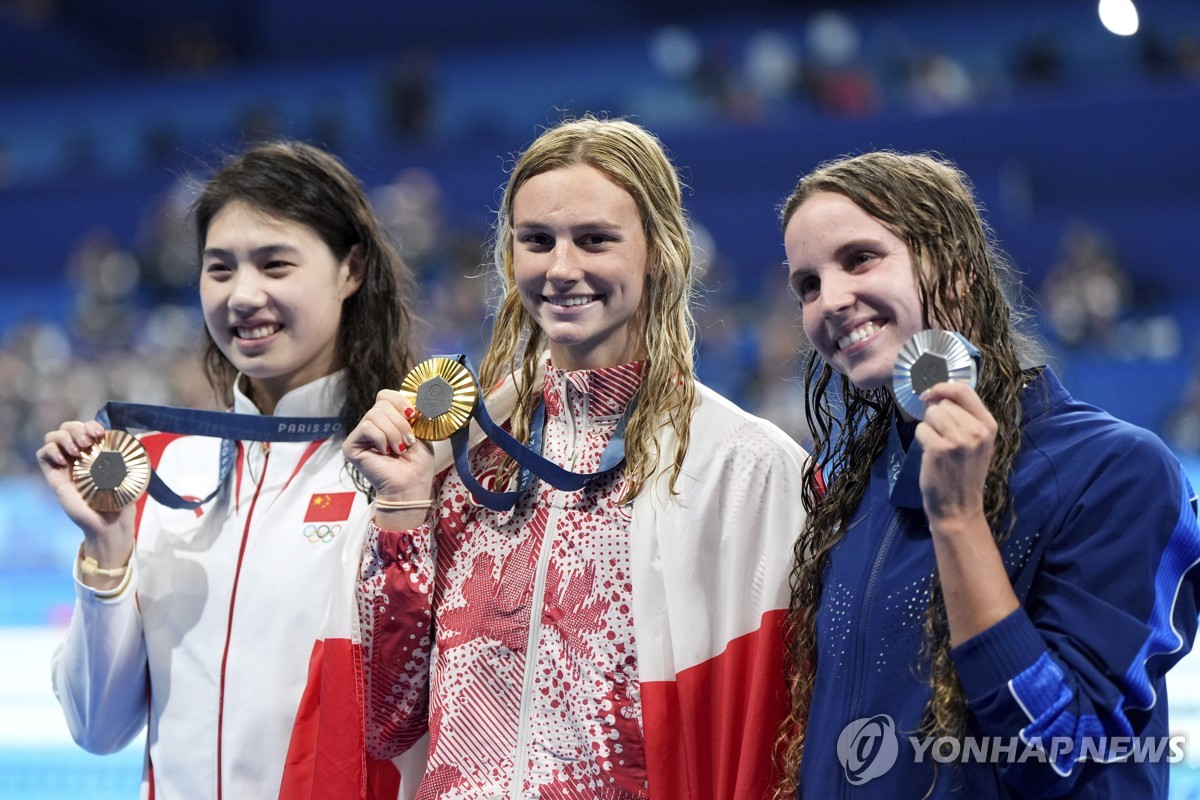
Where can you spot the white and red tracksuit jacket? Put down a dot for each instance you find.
(208, 641)
(583, 649)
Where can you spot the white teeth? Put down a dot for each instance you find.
(259, 332)
(573, 300)
(857, 335)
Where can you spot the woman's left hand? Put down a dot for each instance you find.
(957, 437)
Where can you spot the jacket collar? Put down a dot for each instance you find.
(323, 397)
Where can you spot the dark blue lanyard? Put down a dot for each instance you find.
(227, 426)
(529, 457)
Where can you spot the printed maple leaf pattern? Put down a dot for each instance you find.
(491, 602)
(573, 610)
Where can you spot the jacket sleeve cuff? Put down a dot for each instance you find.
(989, 660)
(87, 594)
(394, 547)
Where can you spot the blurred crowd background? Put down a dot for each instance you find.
(1082, 145)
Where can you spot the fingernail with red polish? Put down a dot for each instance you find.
(408, 412)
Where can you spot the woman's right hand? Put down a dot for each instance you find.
(108, 536)
(383, 448)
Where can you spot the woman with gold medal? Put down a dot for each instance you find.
(620, 639)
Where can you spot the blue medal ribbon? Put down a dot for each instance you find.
(229, 427)
(529, 457)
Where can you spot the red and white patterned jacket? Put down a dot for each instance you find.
(583, 648)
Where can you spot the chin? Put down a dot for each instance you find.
(866, 382)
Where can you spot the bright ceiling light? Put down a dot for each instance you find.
(1119, 16)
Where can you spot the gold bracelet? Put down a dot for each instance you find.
(403, 505)
(91, 567)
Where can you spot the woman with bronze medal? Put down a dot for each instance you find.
(994, 577)
(619, 639)
(197, 608)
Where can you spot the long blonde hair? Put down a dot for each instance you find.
(634, 159)
(930, 204)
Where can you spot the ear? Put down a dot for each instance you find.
(351, 272)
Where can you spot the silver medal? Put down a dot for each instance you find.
(932, 356)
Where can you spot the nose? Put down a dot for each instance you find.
(247, 292)
(564, 265)
(836, 294)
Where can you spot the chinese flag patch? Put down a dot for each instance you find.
(332, 507)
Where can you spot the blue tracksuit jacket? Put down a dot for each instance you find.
(1103, 558)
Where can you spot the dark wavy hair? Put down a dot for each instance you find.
(301, 183)
(962, 277)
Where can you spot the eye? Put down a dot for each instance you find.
(859, 258)
(277, 265)
(594, 240)
(537, 241)
(218, 270)
(805, 287)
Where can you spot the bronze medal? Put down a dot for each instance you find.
(444, 393)
(113, 472)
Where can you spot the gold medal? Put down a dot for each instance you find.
(444, 393)
(113, 472)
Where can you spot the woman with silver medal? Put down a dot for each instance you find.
(989, 566)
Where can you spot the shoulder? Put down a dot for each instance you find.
(723, 430)
(1085, 467)
(1082, 440)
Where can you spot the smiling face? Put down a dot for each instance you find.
(579, 263)
(272, 293)
(857, 288)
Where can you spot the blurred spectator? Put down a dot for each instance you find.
(166, 244)
(410, 210)
(456, 315)
(1039, 60)
(256, 123)
(1189, 53)
(1087, 289)
(105, 276)
(775, 390)
(676, 52)
(720, 85)
(772, 67)
(1157, 55)
(1182, 426)
(409, 96)
(189, 46)
(939, 83)
(835, 75)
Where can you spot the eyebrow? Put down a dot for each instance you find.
(857, 244)
(257, 254)
(590, 225)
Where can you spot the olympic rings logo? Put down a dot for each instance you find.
(321, 533)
